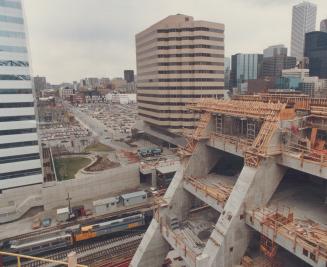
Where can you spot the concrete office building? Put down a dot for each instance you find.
(179, 60)
(20, 163)
(316, 51)
(303, 21)
(245, 67)
(129, 76)
(275, 50)
(323, 25)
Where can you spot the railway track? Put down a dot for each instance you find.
(91, 251)
(144, 207)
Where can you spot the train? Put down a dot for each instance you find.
(72, 236)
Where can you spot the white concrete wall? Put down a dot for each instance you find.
(101, 184)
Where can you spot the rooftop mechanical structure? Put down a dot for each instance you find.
(273, 204)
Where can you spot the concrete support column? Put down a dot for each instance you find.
(231, 235)
(154, 178)
(153, 248)
(202, 260)
(72, 259)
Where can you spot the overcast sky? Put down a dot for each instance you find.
(72, 39)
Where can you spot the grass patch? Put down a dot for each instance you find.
(66, 168)
(98, 147)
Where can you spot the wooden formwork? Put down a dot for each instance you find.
(307, 234)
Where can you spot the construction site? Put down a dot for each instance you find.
(251, 189)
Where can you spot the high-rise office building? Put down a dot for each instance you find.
(129, 76)
(316, 51)
(20, 163)
(273, 66)
(275, 50)
(303, 21)
(227, 72)
(179, 60)
(323, 25)
(245, 67)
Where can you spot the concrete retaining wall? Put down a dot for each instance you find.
(94, 186)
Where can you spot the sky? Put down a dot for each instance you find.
(74, 39)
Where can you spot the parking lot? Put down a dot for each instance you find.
(118, 119)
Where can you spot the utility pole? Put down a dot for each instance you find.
(69, 206)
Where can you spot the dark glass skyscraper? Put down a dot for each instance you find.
(316, 51)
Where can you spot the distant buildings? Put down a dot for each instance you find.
(323, 25)
(275, 50)
(299, 80)
(179, 60)
(20, 163)
(303, 21)
(129, 76)
(66, 92)
(40, 84)
(227, 69)
(245, 67)
(316, 51)
(273, 66)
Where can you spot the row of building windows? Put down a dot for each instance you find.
(190, 55)
(14, 63)
(19, 144)
(15, 91)
(191, 38)
(162, 103)
(182, 88)
(17, 131)
(181, 55)
(17, 105)
(166, 110)
(7, 77)
(181, 38)
(178, 96)
(204, 29)
(11, 4)
(168, 47)
(18, 174)
(182, 80)
(10, 19)
(11, 34)
(17, 118)
(192, 63)
(182, 72)
(18, 158)
(14, 49)
(167, 119)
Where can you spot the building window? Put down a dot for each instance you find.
(11, 4)
(10, 19)
(11, 34)
(15, 77)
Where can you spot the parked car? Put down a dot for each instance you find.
(46, 222)
(36, 224)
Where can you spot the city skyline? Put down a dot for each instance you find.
(68, 45)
